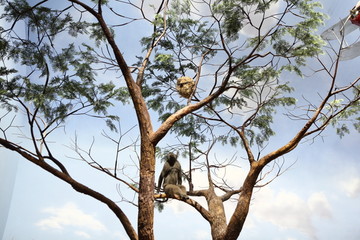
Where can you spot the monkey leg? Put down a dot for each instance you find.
(183, 190)
(171, 190)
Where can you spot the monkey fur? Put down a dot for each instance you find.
(170, 178)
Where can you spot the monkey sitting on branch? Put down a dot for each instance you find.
(171, 174)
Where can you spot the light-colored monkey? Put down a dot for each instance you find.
(171, 175)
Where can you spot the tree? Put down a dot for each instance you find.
(237, 52)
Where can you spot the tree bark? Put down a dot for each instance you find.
(242, 209)
(146, 191)
(147, 152)
(218, 219)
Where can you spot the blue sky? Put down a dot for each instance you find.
(317, 198)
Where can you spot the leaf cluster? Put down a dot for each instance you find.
(258, 93)
(251, 89)
(341, 112)
(300, 41)
(185, 39)
(58, 82)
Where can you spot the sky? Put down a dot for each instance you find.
(317, 198)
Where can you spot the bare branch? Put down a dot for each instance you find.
(76, 185)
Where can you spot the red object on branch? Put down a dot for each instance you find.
(355, 16)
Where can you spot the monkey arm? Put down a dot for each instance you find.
(179, 173)
(159, 183)
(163, 174)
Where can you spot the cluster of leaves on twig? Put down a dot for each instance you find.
(253, 77)
(55, 82)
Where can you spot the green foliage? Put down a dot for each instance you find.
(340, 113)
(64, 77)
(297, 41)
(43, 20)
(103, 2)
(188, 38)
(5, 97)
(60, 82)
(234, 14)
(185, 38)
(184, 34)
(301, 37)
(357, 124)
(97, 34)
(191, 127)
(257, 91)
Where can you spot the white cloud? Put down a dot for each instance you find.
(287, 210)
(179, 207)
(82, 234)
(319, 205)
(119, 235)
(69, 215)
(257, 20)
(352, 187)
(149, 8)
(202, 234)
(233, 176)
(288, 238)
(249, 223)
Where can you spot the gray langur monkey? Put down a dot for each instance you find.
(171, 174)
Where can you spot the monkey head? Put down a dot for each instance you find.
(171, 158)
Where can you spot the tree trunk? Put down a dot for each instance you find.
(242, 209)
(146, 191)
(218, 219)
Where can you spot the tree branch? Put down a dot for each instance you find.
(76, 185)
(140, 76)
